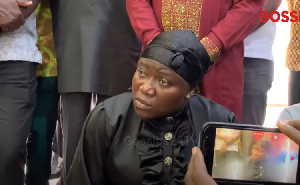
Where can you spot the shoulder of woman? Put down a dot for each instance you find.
(207, 104)
(102, 124)
(108, 115)
(209, 110)
(118, 104)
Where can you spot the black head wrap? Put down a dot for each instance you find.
(181, 51)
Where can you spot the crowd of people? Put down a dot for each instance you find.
(83, 79)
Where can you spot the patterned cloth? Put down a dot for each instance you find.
(293, 50)
(45, 41)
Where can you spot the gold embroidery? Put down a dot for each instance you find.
(293, 50)
(181, 14)
(212, 49)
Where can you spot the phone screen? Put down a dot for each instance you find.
(254, 156)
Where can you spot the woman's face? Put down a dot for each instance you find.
(258, 153)
(157, 90)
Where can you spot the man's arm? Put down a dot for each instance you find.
(237, 134)
(234, 137)
(219, 135)
(270, 6)
(238, 23)
(143, 20)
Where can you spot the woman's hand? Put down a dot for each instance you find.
(291, 129)
(197, 172)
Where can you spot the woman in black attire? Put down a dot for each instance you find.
(146, 136)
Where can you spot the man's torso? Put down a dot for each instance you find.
(259, 43)
(21, 44)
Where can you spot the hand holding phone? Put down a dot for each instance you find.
(291, 129)
(197, 172)
(250, 154)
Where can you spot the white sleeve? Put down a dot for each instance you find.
(290, 113)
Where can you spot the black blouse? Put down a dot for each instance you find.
(118, 147)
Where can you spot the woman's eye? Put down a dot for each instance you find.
(141, 73)
(164, 82)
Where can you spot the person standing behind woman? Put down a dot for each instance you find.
(46, 112)
(19, 57)
(259, 68)
(293, 56)
(97, 54)
(220, 25)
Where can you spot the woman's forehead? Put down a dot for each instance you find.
(149, 63)
(257, 147)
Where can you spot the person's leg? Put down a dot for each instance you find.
(219, 161)
(247, 142)
(232, 161)
(294, 88)
(258, 77)
(56, 164)
(75, 109)
(42, 130)
(17, 103)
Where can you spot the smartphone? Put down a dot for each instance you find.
(249, 154)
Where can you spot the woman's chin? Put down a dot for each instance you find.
(146, 114)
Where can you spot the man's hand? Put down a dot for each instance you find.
(11, 18)
(230, 139)
(23, 3)
(291, 129)
(197, 172)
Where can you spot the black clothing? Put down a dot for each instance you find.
(17, 102)
(97, 50)
(181, 51)
(75, 109)
(265, 170)
(294, 88)
(119, 147)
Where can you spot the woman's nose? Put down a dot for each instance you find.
(148, 89)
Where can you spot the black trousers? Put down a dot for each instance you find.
(75, 109)
(258, 78)
(17, 102)
(294, 88)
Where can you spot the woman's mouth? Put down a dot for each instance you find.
(142, 104)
